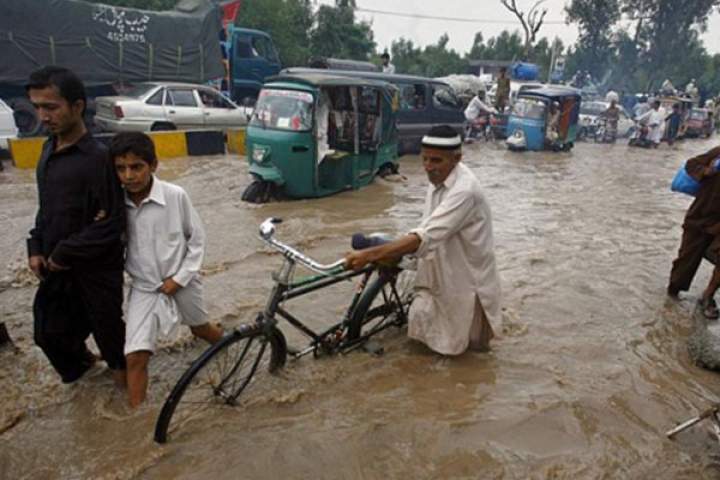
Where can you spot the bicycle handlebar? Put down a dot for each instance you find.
(267, 232)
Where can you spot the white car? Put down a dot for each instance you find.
(168, 106)
(8, 129)
(590, 113)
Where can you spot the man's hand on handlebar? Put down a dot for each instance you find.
(387, 252)
(358, 260)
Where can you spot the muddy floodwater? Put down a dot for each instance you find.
(589, 369)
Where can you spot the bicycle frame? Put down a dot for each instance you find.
(286, 288)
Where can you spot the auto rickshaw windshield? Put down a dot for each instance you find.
(698, 115)
(529, 108)
(283, 110)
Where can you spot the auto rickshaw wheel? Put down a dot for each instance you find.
(259, 191)
(388, 169)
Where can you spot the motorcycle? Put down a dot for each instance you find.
(604, 133)
(641, 137)
(480, 128)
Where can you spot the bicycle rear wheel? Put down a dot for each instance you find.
(220, 375)
(383, 304)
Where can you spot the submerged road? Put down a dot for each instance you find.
(589, 370)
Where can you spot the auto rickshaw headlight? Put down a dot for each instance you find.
(259, 154)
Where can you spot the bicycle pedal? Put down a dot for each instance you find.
(373, 348)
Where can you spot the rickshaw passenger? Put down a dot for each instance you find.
(323, 120)
(553, 123)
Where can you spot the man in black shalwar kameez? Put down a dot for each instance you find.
(76, 247)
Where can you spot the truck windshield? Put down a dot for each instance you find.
(529, 108)
(283, 110)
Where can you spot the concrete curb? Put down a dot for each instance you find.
(25, 152)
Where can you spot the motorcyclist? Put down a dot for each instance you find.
(667, 88)
(612, 115)
(641, 108)
(655, 120)
(553, 123)
(477, 109)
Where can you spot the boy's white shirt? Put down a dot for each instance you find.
(166, 239)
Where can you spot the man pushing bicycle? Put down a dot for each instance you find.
(457, 289)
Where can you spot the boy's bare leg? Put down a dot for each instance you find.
(137, 376)
(120, 378)
(208, 332)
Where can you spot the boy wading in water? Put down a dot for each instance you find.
(166, 244)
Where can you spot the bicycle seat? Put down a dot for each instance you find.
(360, 241)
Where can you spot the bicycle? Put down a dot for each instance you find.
(226, 369)
(712, 413)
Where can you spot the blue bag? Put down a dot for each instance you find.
(684, 183)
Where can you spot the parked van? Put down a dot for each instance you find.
(424, 102)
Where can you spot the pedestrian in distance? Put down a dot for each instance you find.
(457, 289)
(75, 247)
(387, 67)
(166, 245)
(502, 92)
(701, 232)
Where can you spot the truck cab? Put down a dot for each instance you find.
(253, 58)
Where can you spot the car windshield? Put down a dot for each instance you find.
(139, 90)
(697, 115)
(283, 110)
(529, 108)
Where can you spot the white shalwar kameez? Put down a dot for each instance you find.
(166, 239)
(457, 285)
(656, 124)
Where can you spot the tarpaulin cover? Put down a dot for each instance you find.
(105, 44)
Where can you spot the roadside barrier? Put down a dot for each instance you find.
(25, 152)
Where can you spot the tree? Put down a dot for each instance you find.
(665, 34)
(288, 22)
(530, 24)
(432, 61)
(337, 34)
(595, 19)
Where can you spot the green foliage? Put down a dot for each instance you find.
(662, 41)
(433, 61)
(300, 34)
(595, 44)
(143, 4)
(337, 33)
(287, 21)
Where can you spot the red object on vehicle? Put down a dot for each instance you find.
(117, 110)
(230, 11)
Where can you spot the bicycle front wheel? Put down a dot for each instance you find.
(383, 304)
(220, 375)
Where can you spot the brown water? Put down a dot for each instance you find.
(589, 369)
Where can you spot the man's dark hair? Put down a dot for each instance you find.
(69, 86)
(385, 55)
(133, 142)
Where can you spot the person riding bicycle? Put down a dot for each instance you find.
(477, 109)
(457, 289)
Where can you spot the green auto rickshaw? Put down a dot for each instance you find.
(314, 134)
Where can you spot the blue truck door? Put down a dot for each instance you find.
(253, 59)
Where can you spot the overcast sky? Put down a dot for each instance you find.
(495, 17)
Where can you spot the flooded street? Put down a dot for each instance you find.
(589, 369)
